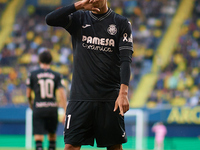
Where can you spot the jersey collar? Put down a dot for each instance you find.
(103, 17)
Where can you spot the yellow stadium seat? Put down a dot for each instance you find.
(25, 59)
(178, 101)
(151, 104)
(30, 35)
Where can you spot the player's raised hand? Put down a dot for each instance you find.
(87, 5)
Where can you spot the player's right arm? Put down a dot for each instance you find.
(61, 17)
(60, 86)
(63, 99)
(30, 99)
(29, 90)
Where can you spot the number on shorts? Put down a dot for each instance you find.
(68, 120)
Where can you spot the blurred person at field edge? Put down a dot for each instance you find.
(160, 132)
(44, 82)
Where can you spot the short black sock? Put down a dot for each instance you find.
(52, 145)
(39, 145)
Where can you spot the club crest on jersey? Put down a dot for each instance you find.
(112, 30)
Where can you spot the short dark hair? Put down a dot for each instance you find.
(45, 57)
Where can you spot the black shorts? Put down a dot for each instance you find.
(44, 124)
(86, 121)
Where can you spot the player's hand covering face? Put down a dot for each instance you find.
(93, 5)
(98, 3)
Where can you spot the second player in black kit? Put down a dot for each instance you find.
(102, 52)
(44, 82)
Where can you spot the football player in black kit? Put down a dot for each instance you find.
(44, 83)
(102, 54)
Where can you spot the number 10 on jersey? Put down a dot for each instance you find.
(46, 88)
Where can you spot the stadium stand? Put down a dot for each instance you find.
(178, 83)
(2, 7)
(165, 11)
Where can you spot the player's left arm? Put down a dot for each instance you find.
(126, 51)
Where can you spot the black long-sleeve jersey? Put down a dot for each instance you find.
(44, 83)
(101, 46)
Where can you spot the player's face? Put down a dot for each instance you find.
(100, 3)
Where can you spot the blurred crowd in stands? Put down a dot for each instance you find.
(2, 7)
(149, 18)
(179, 82)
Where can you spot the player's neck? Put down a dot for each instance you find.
(102, 10)
(44, 66)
